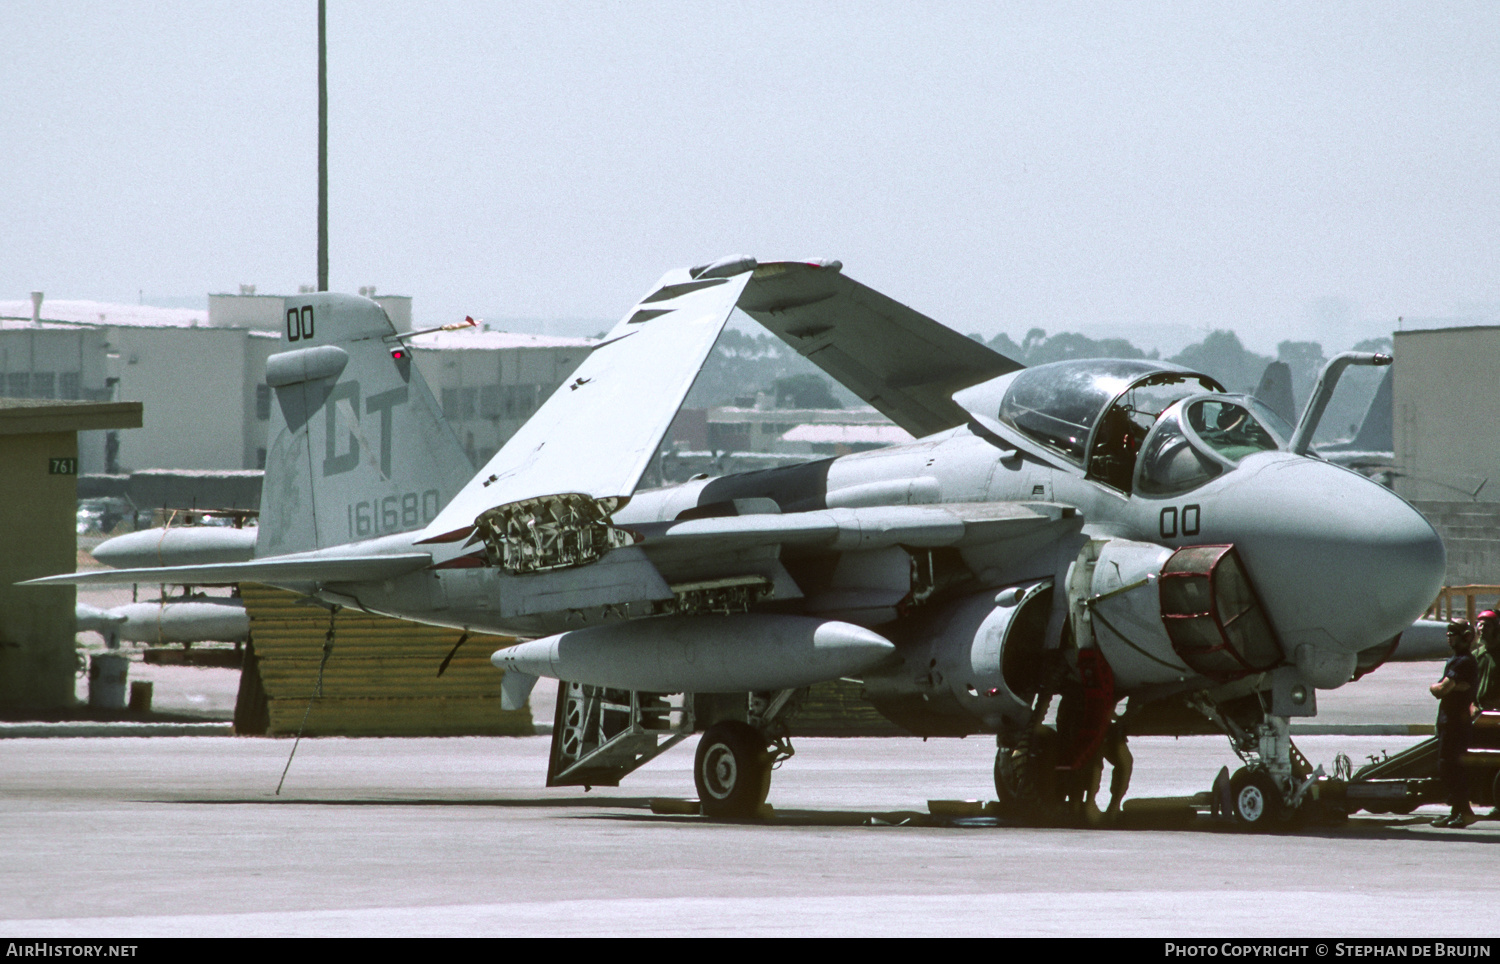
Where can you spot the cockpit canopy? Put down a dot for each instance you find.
(1101, 414)
(1059, 404)
(1199, 437)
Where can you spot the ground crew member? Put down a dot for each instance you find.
(1121, 762)
(1115, 751)
(1454, 692)
(1487, 693)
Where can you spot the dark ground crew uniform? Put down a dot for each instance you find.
(1453, 729)
(1487, 692)
(1121, 761)
(1487, 655)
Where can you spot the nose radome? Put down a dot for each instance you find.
(1341, 562)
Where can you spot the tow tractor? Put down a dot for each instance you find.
(1402, 782)
(1388, 784)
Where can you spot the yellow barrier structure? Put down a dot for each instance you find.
(381, 677)
(1442, 607)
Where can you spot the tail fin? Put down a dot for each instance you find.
(1275, 390)
(358, 446)
(1377, 433)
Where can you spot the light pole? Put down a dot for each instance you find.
(322, 145)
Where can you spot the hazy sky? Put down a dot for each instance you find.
(1145, 170)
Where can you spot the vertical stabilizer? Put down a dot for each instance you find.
(1377, 433)
(1275, 390)
(358, 446)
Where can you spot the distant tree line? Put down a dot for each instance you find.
(1222, 356)
(744, 365)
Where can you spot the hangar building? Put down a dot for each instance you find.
(38, 503)
(1446, 406)
(201, 375)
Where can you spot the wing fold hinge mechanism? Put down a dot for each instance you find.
(737, 594)
(550, 532)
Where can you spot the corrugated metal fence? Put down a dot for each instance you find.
(380, 680)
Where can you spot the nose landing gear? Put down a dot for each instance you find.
(1255, 799)
(1277, 785)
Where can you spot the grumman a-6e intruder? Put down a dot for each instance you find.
(1091, 531)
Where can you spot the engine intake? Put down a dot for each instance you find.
(969, 666)
(1212, 615)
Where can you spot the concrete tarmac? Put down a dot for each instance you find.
(184, 836)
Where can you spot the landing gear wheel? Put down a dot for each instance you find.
(1025, 777)
(732, 770)
(1004, 794)
(1256, 799)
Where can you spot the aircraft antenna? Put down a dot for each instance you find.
(317, 688)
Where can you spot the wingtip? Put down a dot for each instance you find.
(61, 579)
(724, 267)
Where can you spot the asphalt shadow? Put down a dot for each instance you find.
(1405, 828)
(519, 803)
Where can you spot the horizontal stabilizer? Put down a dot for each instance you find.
(897, 359)
(597, 434)
(273, 570)
(1426, 639)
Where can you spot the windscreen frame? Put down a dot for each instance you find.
(1015, 409)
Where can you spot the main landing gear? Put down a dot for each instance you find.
(732, 769)
(600, 735)
(1052, 776)
(1026, 776)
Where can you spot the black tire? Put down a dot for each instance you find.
(1256, 799)
(1005, 790)
(732, 770)
(1025, 777)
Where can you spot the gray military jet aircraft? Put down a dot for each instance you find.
(1089, 530)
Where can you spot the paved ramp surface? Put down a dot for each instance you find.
(183, 836)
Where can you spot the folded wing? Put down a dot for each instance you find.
(900, 361)
(597, 434)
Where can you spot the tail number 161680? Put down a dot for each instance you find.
(393, 513)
